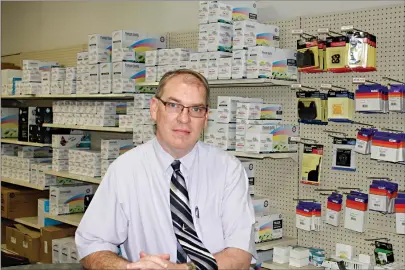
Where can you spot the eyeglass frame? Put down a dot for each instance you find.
(183, 107)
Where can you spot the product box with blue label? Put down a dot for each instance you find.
(268, 228)
(43, 207)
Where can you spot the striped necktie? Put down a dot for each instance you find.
(188, 242)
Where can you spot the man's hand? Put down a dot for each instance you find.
(151, 262)
(159, 261)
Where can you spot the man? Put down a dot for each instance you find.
(173, 202)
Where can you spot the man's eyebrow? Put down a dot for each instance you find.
(192, 105)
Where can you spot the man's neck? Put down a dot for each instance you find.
(175, 153)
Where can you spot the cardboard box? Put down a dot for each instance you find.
(50, 233)
(20, 202)
(5, 223)
(24, 241)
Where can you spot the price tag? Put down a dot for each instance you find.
(297, 31)
(326, 86)
(359, 80)
(346, 28)
(296, 86)
(323, 30)
(295, 139)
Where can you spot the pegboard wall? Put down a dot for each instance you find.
(387, 23)
(278, 179)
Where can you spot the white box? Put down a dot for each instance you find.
(299, 253)
(58, 74)
(299, 262)
(161, 71)
(249, 166)
(203, 64)
(33, 88)
(151, 74)
(111, 149)
(225, 68)
(142, 101)
(203, 37)
(104, 72)
(148, 132)
(226, 135)
(260, 62)
(261, 205)
(285, 64)
(267, 35)
(124, 54)
(203, 12)
(219, 37)
(268, 228)
(125, 121)
(239, 64)
(219, 12)
(213, 63)
(123, 86)
(125, 38)
(93, 87)
(106, 107)
(94, 73)
(146, 118)
(163, 57)
(105, 86)
(38, 65)
(57, 87)
(151, 58)
(128, 70)
(46, 77)
(137, 133)
(258, 143)
(244, 34)
(97, 41)
(70, 141)
(244, 11)
(71, 73)
(65, 252)
(69, 87)
(179, 54)
(57, 248)
(31, 76)
(194, 62)
(98, 56)
(60, 197)
(60, 154)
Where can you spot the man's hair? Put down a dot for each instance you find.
(171, 74)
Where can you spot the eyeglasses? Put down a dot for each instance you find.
(193, 111)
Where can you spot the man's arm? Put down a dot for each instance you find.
(233, 258)
(103, 227)
(104, 260)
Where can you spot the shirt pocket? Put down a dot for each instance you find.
(209, 228)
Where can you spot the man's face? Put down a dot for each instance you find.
(178, 132)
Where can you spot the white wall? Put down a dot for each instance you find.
(32, 26)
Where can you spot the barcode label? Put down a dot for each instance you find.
(353, 218)
(377, 205)
(382, 155)
(364, 106)
(302, 223)
(393, 104)
(331, 216)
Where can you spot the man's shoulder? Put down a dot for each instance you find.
(134, 155)
(214, 153)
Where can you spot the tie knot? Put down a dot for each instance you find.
(176, 165)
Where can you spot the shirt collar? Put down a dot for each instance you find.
(165, 159)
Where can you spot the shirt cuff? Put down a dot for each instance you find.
(94, 247)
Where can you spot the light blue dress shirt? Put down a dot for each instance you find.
(131, 207)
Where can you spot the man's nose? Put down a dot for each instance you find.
(184, 116)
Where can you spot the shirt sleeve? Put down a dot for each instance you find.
(104, 225)
(237, 210)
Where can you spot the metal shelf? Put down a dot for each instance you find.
(94, 128)
(83, 178)
(293, 156)
(22, 183)
(237, 83)
(276, 266)
(72, 96)
(16, 141)
(285, 241)
(28, 221)
(71, 219)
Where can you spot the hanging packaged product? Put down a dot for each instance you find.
(303, 218)
(316, 217)
(372, 98)
(400, 213)
(312, 107)
(388, 146)
(396, 98)
(307, 55)
(336, 54)
(321, 55)
(362, 52)
(334, 206)
(311, 164)
(356, 210)
(344, 156)
(383, 253)
(363, 140)
(340, 106)
(382, 195)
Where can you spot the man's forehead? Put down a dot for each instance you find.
(187, 79)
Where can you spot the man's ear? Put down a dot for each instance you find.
(206, 119)
(154, 106)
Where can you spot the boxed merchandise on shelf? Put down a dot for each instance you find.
(43, 207)
(48, 234)
(111, 149)
(214, 59)
(57, 246)
(219, 37)
(151, 58)
(71, 141)
(69, 199)
(219, 12)
(260, 61)
(24, 241)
